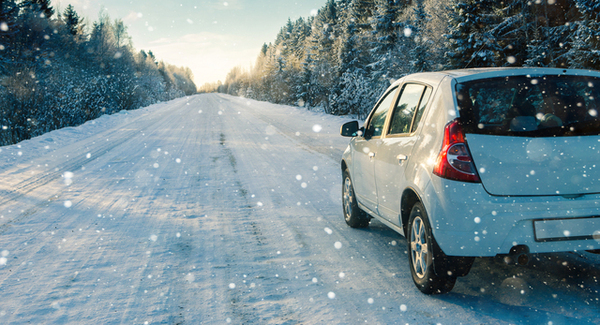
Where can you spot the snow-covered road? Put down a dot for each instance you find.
(214, 209)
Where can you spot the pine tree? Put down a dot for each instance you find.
(585, 51)
(120, 34)
(386, 59)
(72, 20)
(386, 26)
(538, 52)
(518, 25)
(324, 75)
(151, 56)
(283, 38)
(551, 34)
(353, 60)
(364, 10)
(304, 87)
(472, 43)
(420, 52)
(324, 31)
(351, 55)
(41, 6)
(9, 28)
(101, 45)
(300, 34)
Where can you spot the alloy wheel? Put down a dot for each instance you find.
(347, 198)
(419, 247)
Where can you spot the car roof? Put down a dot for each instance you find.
(462, 75)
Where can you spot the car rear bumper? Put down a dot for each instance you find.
(467, 221)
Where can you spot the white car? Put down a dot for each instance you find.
(479, 162)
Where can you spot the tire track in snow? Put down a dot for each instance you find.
(53, 173)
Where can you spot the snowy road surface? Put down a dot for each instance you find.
(214, 209)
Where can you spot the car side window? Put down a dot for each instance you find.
(412, 100)
(376, 123)
(424, 101)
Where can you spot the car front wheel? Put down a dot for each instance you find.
(423, 252)
(354, 216)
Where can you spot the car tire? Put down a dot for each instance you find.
(423, 253)
(354, 216)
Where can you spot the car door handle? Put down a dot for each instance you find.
(401, 158)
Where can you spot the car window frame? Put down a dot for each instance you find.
(413, 128)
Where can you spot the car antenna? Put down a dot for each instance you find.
(473, 56)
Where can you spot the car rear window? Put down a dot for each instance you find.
(531, 106)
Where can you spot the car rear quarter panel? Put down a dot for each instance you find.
(419, 172)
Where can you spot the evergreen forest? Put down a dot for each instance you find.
(57, 71)
(342, 58)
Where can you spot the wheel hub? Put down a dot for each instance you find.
(419, 247)
(347, 197)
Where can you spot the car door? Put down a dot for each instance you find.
(365, 150)
(396, 147)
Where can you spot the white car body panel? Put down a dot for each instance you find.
(390, 164)
(364, 180)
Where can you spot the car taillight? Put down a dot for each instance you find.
(454, 161)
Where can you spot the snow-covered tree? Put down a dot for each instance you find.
(54, 75)
(120, 34)
(39, 7)
(325, 31)
(304, 93)
(354, 93)
(72, 20)
(386, 59)
(9, 28)
(585, 50)
(472, 44)
(420, 51)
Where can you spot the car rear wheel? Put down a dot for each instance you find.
(354, 216)
(423, 252)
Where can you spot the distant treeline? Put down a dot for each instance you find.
(55, 71)
(344, 57)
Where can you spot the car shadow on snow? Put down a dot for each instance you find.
(561, 288)
(557, 288)
(383, 234)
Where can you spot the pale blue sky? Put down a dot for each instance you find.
(209, 36)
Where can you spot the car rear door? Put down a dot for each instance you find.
(395, 150)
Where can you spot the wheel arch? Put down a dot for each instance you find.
(407, 201)
(458, 265)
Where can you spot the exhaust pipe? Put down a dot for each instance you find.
(518, 255)
(523, 259)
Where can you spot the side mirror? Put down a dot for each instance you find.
(350, 129)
